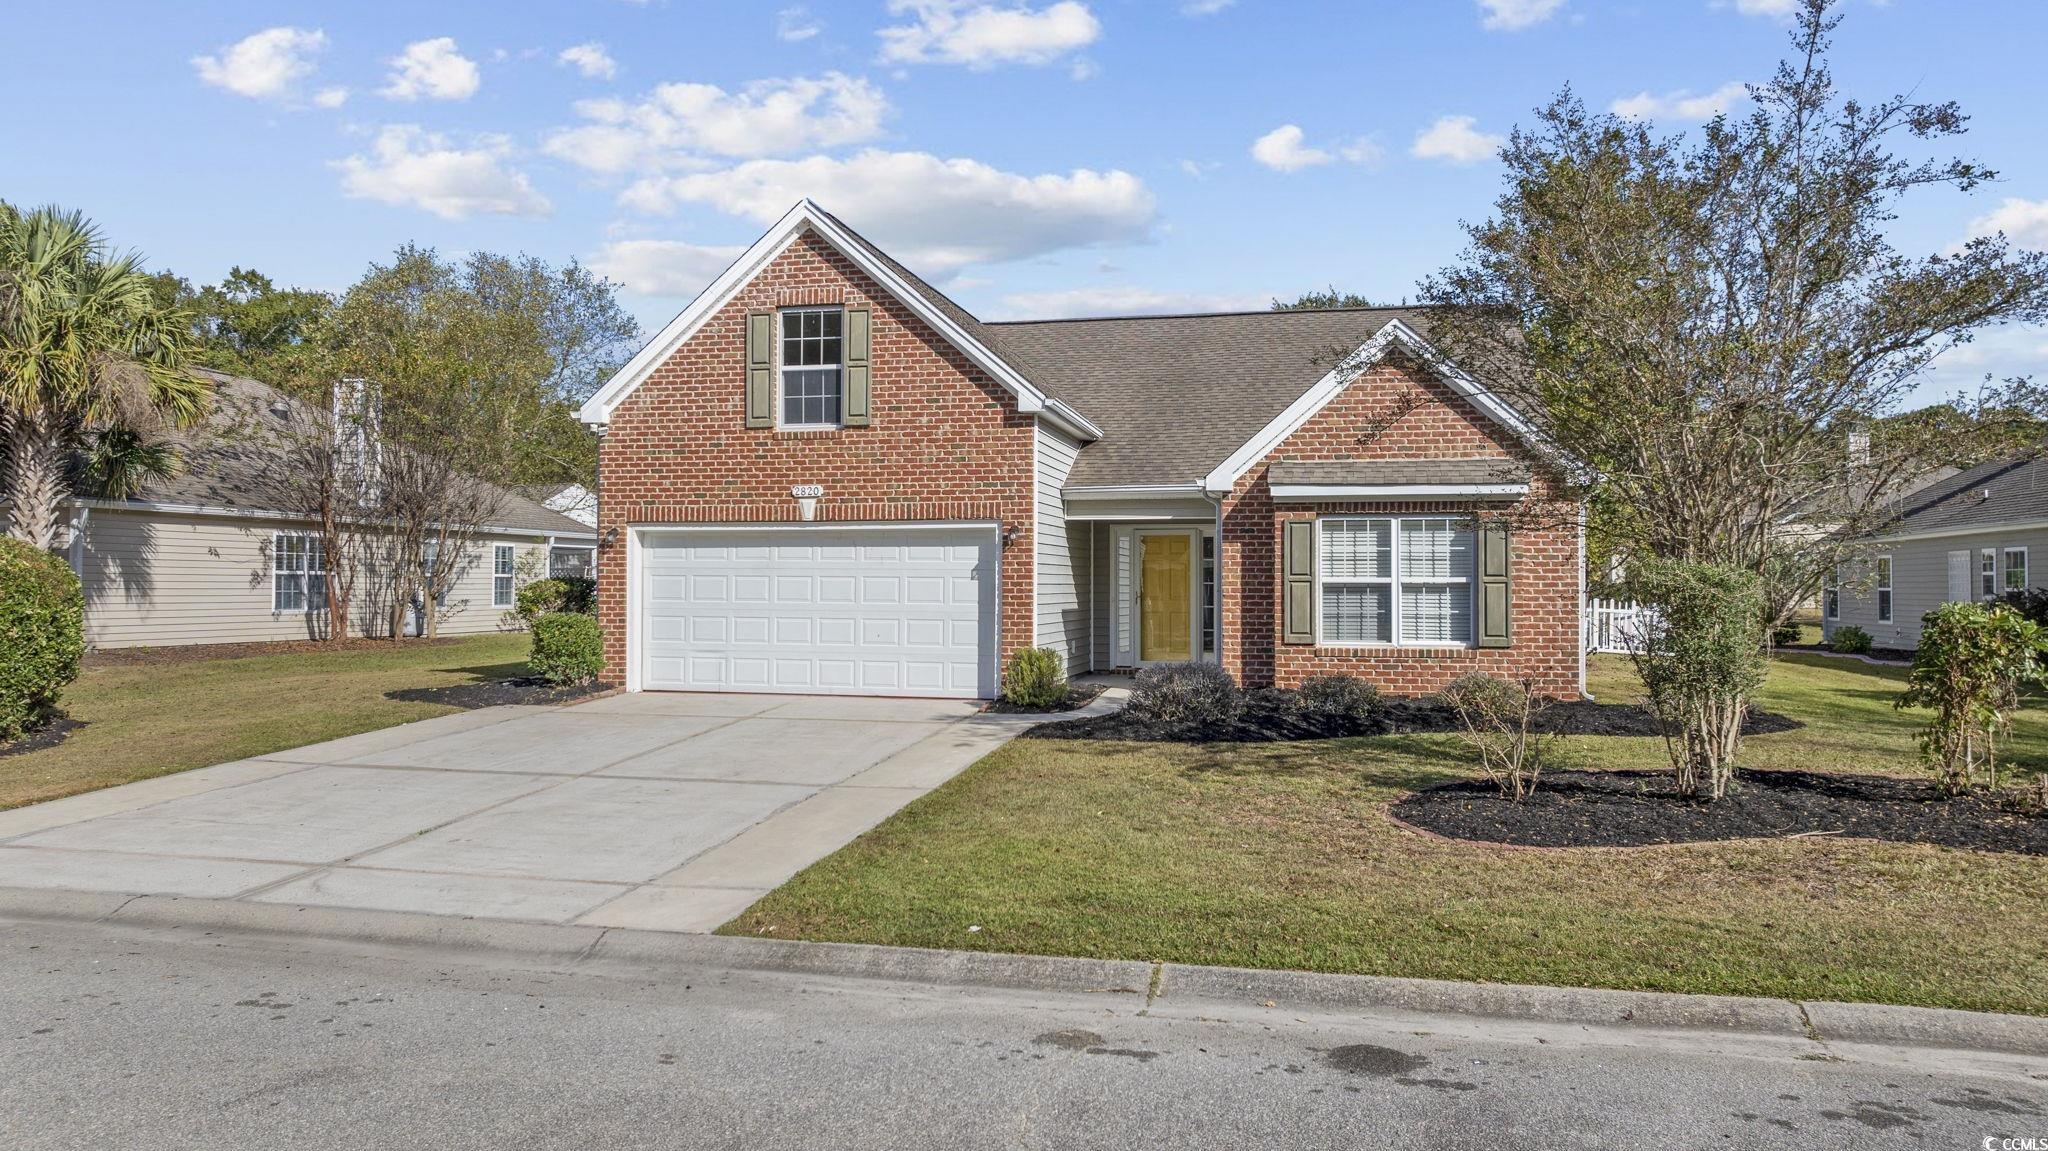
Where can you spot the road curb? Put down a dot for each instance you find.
(1169, 986)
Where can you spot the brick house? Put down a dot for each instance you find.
(824, 476)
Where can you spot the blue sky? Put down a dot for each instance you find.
(1033, 157)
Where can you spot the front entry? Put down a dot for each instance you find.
(1166, 574)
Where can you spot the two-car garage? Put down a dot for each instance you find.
(817, 608)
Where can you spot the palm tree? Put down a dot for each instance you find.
(85, 350)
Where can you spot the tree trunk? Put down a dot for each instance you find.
(34, 479)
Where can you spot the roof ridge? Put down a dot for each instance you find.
(1203, 315)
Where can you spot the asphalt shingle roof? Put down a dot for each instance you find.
(2017, 487)
(1399, 472)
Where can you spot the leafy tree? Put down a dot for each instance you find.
(246, 324)
(1972, 663)
(1705, 319)
(1324, 300)
(89, 358)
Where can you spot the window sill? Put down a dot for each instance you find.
(1397, 648)
(806, 431)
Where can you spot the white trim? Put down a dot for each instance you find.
(2005, 569)
(636, 595)
(1583, 516)
(1887, 611)
(1394, 334)
(1134, 492)
(295, 518)
(1996, 575)
(1976, 530)
(1397, 491)
(305, 573)
(783, 368)
(1393, 583)
(510, 575)
(807, 215)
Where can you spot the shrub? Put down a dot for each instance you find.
(1345, 698)
(1700, 657)
(2030, 602)
(571, 594)
(1498, 719)
(1785, 635)
(1972, 663)
(567, 648)
(1035, 678)
(1851, 640)
(42, 634)
(1197, 694)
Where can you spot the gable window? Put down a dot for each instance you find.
(1987, 573)
(298, 573)
(1831, 596)
(1395, 581)
(813, 363)
(501, 575)
(2015, 569)
(1884, 589)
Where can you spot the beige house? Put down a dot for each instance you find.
(211, 556)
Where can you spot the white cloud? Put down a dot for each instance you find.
(677, 124)
(266, 65)
(796, 24)
(937, 215)
(1514, 15)
(1204, 7)
(1283, 150)
(330, 97)
(674, 268)
(416, 168)
(1778, 9)
(590, 59)
(433, 69)
(2024, 222)
(984, 35)
(1119, 301)
(1682, 104)
(1456, 139)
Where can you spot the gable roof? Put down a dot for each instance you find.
(2018, 487)
(230, 464)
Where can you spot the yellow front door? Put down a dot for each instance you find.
(1165, 632)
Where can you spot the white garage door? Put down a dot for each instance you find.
(822, 610)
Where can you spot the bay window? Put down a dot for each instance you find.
(1399, 581)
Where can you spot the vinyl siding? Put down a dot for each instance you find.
(1061, 558)
(160, 579)
(1920, 580)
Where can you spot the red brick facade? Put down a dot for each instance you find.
(945, 443)
(1395, 412)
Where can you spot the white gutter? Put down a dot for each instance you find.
(284, 517)
(1398, 491)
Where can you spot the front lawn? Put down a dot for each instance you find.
(146, 716)
(1281, 855)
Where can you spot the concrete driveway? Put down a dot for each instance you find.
(666, 812)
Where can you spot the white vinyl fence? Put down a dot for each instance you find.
(1613, 625)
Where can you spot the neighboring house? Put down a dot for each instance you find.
(824, 476)
(214, 555)
(1972, 536)
(578, 503)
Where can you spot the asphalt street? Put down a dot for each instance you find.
(120, 1036)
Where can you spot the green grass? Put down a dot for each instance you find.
(149, 719)
(1282, 856)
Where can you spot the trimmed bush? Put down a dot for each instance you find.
(1035, 678)
(1338, 698)
(567, 648)
(42, 634)
(558, 594)
(1700, 658)
(1196, 694)
(1851, 639)
(1785, 635)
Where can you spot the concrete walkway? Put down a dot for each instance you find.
(653, 811)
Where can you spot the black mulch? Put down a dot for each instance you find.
(526, 689)
(1639, 808)
(1269, 717)
(1078, 697)
(51, 734)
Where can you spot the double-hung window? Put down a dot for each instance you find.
(501, 575)
(1831, 596)
(1987, 573)
(813, 367)
(1395, 581)
(2015, 569)
(298, 573)
(1884, 589)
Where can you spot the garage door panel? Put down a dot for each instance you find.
(856, 611)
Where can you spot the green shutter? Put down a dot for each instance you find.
(854, 414)
(761, 369)
(1299, 569)
(1491, 608)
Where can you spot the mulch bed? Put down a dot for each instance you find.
(49, 735)
(1639, 809)
(526, 689)
(194, 653)
(1269, 717)
(1078, 697)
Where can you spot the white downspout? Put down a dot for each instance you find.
(1217, 556)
